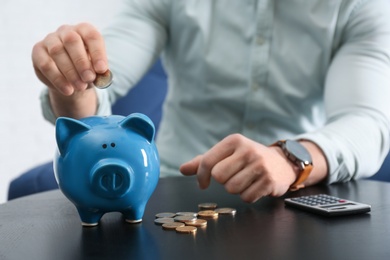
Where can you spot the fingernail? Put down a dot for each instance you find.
(67, 90)
(80, 85)
(101, 66)
(88, 75)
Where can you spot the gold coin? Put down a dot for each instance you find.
(208, 214)
(160, 221)
(186, 229)
(165, 215)
(103, 80)
(207, 205)
(172, 226)
(226, 211)
(197, 223)
(184, 219)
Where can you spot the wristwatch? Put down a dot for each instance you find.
(299, 156)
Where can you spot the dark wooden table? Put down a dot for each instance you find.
(47, 226)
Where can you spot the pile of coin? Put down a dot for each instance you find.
(189, 222)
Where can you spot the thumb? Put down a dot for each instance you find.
(191, 167)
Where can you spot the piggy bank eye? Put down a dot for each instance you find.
(104, 146)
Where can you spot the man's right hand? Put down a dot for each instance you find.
(67, 61)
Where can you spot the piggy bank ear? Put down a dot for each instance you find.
(66, 128)
(139, 123)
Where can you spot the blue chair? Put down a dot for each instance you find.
(146, 97)
(384, 172)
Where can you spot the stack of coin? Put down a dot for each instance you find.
(208, 214)
(188, 222)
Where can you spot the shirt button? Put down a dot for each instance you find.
(260, 40)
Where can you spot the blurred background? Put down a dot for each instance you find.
(26, 139)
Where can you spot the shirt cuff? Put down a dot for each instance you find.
(337, 168)
(103, 109)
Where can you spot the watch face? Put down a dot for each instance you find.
(298, 151)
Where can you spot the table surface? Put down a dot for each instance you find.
(47, 226)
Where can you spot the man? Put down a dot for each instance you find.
(242, 75)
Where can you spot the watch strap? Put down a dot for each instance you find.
(303, 175)
(305, 169)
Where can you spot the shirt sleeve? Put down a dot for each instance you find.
(356, 136)
(134, 40)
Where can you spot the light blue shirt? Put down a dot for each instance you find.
(268, 69)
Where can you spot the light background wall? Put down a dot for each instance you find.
(26, 139)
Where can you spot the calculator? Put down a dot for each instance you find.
(327, 205)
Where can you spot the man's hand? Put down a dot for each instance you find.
(244, 167)
(67, 60)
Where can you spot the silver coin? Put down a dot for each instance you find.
(103, 80)
(165, 215)
(184, 219)
(184, 213)
(226, 211)
(207, 205)
(160, 221)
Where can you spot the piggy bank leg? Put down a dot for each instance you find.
(89, 218)
(135, 214)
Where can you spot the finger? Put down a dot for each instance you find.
(228, 167)
(58, 53)
(95, 45)
(47, 71)
(191, 167)
(64, 88)
(211, 158)
(255, 191)
(241, 181)
(76, 50)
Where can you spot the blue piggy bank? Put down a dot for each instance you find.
(106, 164)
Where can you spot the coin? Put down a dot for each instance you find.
(207, 205)
(172, 226)
(160, 221)
(184, 219)
(103, 80)
(165, 215)
(208, 214)
(197, 223)
(226, 211)
(186, 229)
(193, 214)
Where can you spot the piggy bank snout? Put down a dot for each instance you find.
(111, 179)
